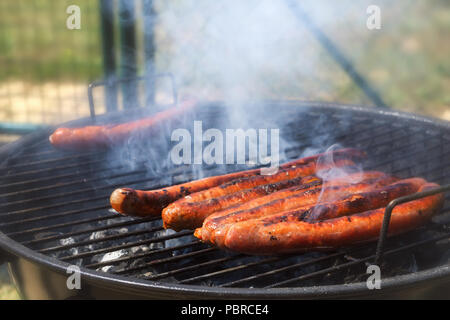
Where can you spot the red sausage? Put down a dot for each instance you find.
(215, 226)
(150, 203)
(104, 136)
(264, 237)
(189, 212)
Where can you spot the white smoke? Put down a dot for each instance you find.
(245, 52)
(347, 174)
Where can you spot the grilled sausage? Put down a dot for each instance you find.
(150, 203)
(266, 236)
(354, 203)
(189, 212)
(192, 214)
(226, 215)
(215, 225)
(103, 136)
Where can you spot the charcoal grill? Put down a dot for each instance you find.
(54, 212)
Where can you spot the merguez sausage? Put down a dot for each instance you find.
(186, 213)
(103, 136)
(215, 226)
(192, 214)
(150, 203)
(264, 237)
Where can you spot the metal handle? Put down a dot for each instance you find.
(388, 214)
(114, 82)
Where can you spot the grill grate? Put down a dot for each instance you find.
(56, 203)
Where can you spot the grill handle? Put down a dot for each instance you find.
(388, 214)
(112, 83)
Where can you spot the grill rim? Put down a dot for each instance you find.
(142, 287)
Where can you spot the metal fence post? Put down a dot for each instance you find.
(149, 51)
(128, 61)
(109, 56)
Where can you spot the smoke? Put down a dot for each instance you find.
(254, 49)
(241, 53)
(347, 174)
(232, 50)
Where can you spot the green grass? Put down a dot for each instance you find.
(414, 58)
(36, 45)
(406, 61)
(7, 289)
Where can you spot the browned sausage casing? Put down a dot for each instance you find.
(190, 215)
(103, 136)
(215, 225)
(266, 236)
(190, 211)
(351, 204)
(150, 203)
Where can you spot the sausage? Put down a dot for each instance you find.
(348, 205)
(190, 215)
(284, 200)
(215, 225)
(291, 235)
(211, 222)
(150, 203)
(190, 211)
(104, 136)
(363, 201)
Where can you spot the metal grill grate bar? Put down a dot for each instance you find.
(65, 158)
(84, 189)
(167, 260)
(283, 269)
(104, 239)
(228, 270)
(77, 233)
(63, 225)
(20, 175)
(193, 268)
(45, 179)
(144, 255)
(357, 261)
(81, 182)
(54, 216)
(125, 246)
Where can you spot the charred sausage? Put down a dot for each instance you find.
(215, 225)
(103, 136)
(190, 211)
(150, 203)
(190, 215)
(354, 203)
(262, 236)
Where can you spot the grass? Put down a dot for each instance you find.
(406, 61)
(7, 289)
(36, 45)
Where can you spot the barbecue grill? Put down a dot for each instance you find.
(54, 212)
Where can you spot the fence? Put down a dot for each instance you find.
(45, 67)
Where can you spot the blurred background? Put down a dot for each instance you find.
(216, 50)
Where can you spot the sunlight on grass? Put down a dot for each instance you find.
(7, 290)
(406, 61)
